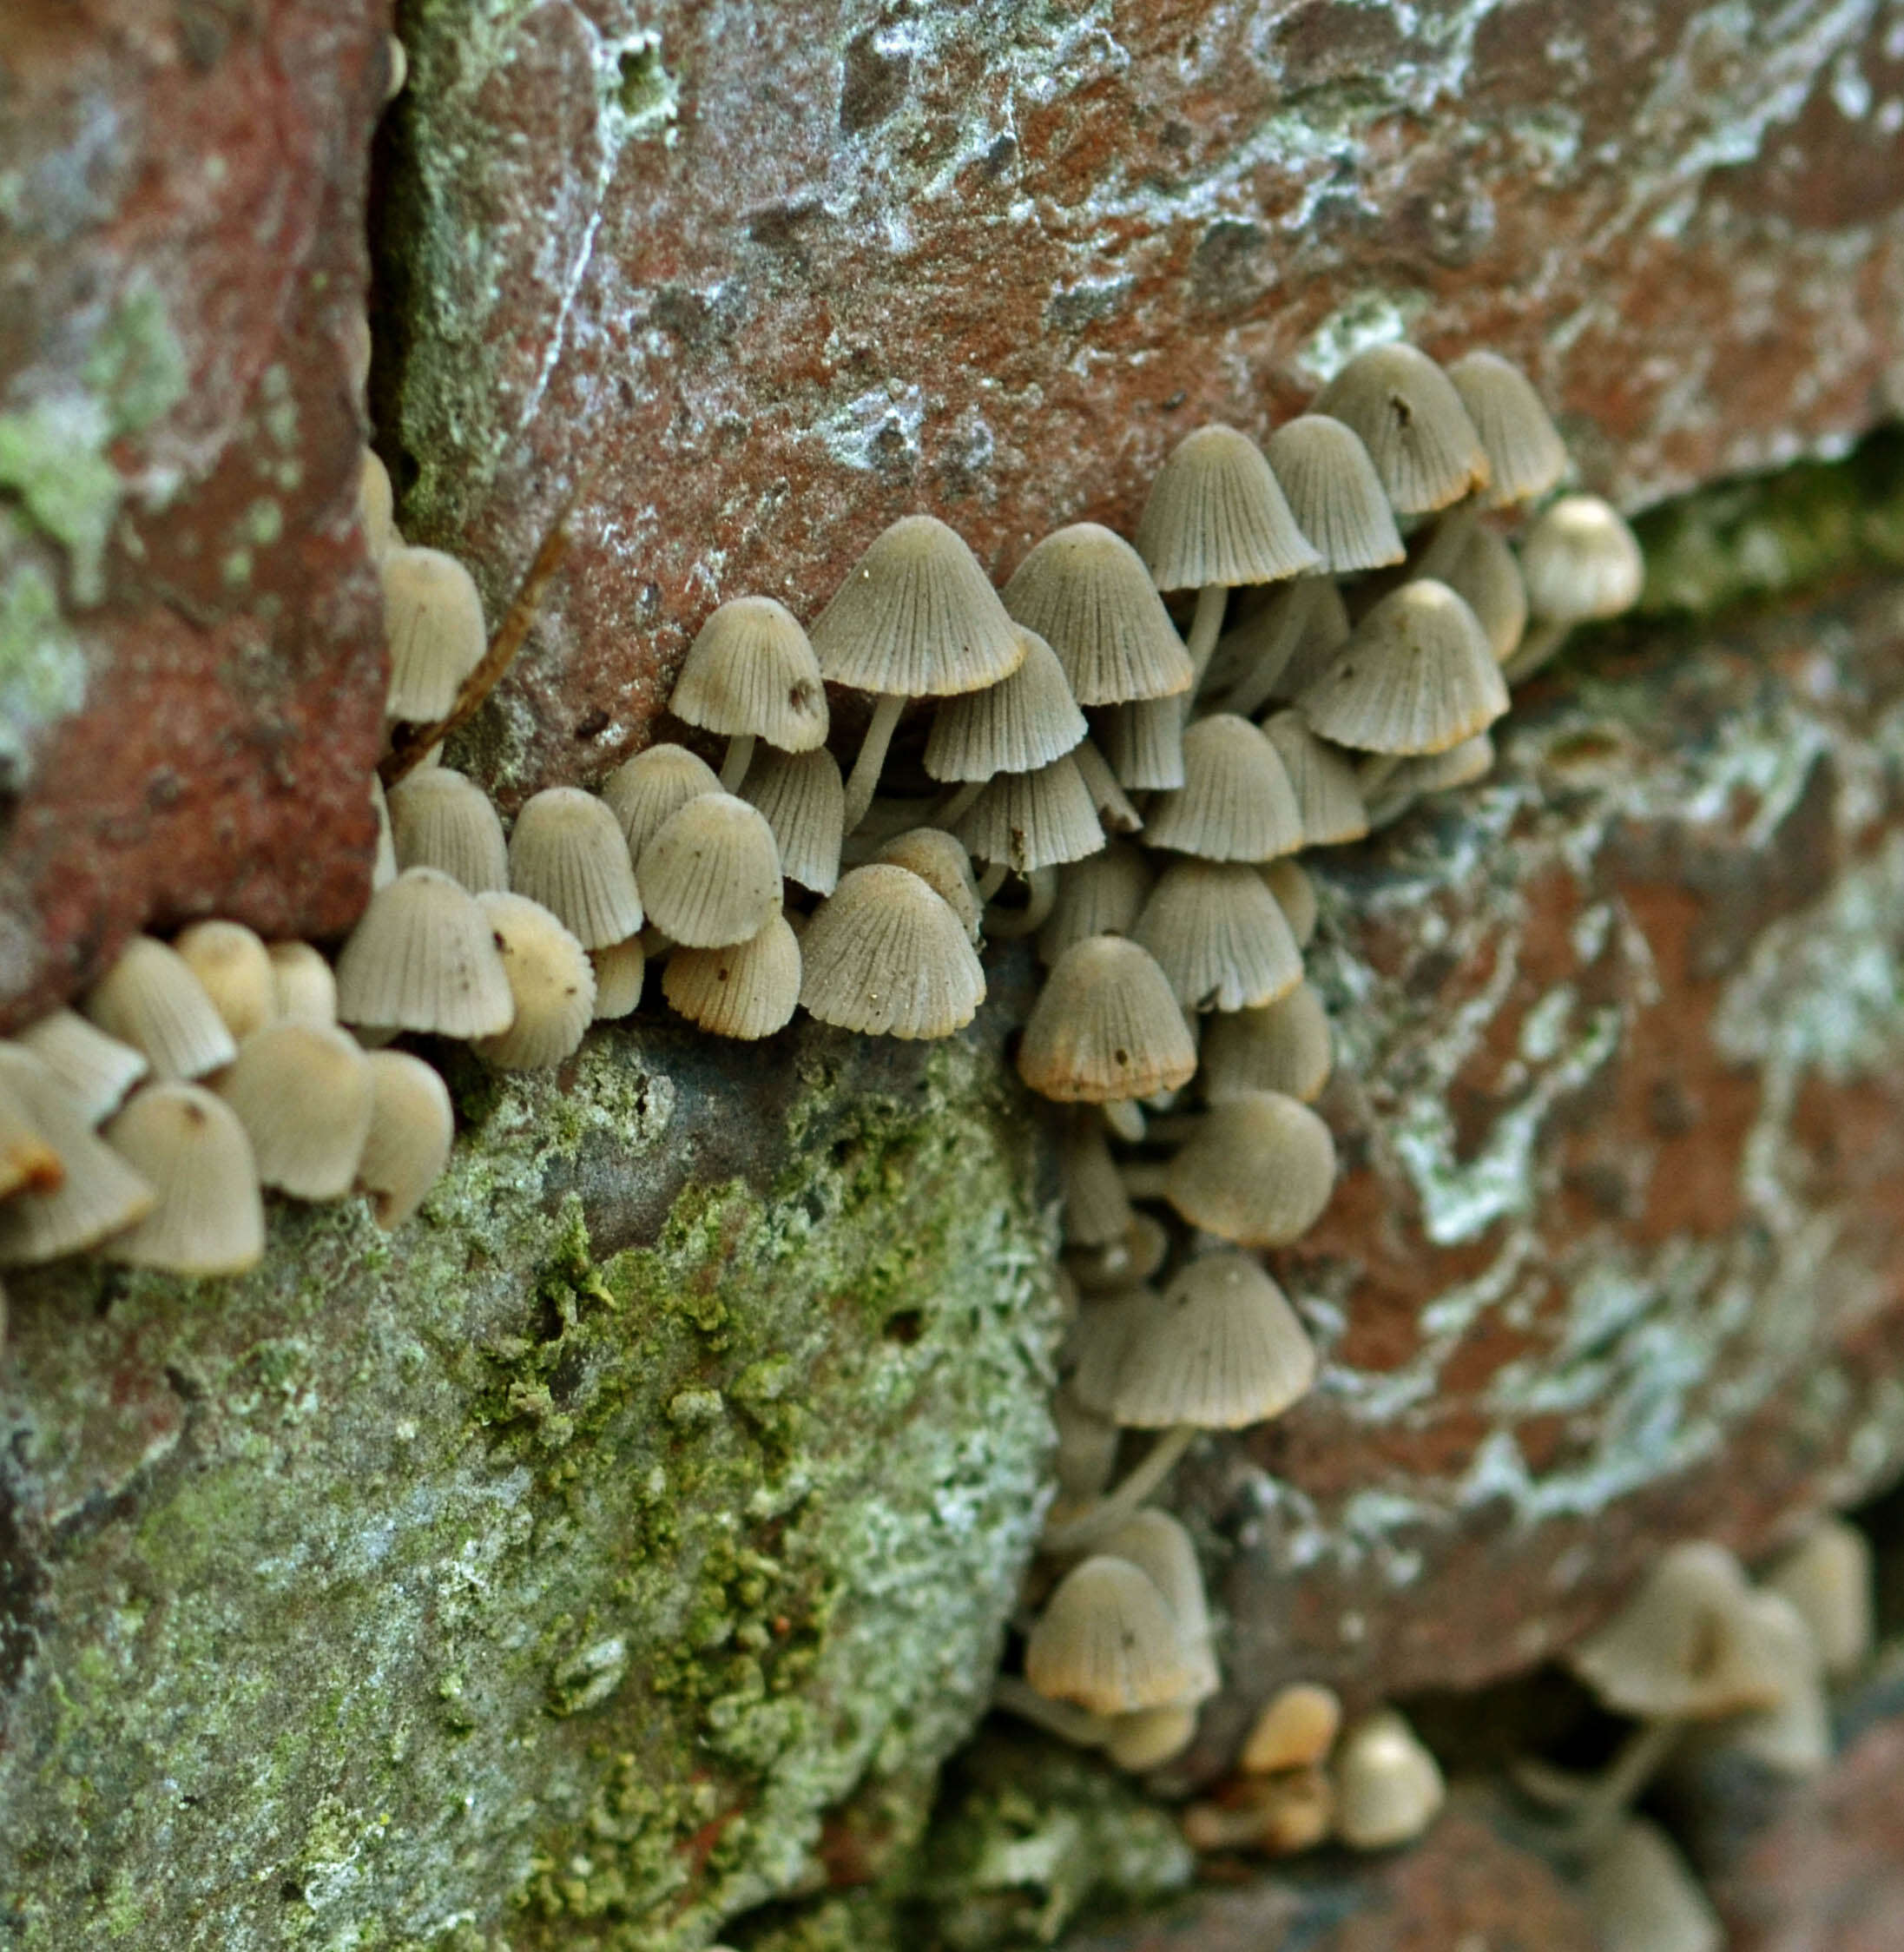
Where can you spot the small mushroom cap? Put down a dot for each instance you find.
(1526, 454)
(804, 801)
(1334, 493)
(441, 819)
(1388, 1788)
(303, 1093)
(1235, 803)
(97, 1070)
(645, 791)
(234, 971)
(1829, 1578)
(30, 1162)
(1015, 726)
(1408, 416)
(1088, 594)
(1144, 744)
(1481, 568)
(1440, 772)
(1107, 1641)
(748, 991)
(1293, 1812)
(712, 875)
(1094, 1346)
(411, 1129)
(1087, 1445)
(917, 617)
(303, 989)
(620, 970)
(433, 619)
(95, 1193)
(885, 956)
(377, 508)
(422, 957)
(1284, 1046)
(1297, 1730)
(189, 1147)
(550, 979)
(942, 863)
(1326, 796)
(1793, 1737)
(568, 852)
(1258, 1170)
(1033, 820)
(1418, 676)
(1156, 1544)
(1096, 1208)
(1102, 894)
(1325, 630)
(1580, 561)
(1641, 1895)
(750, 672)
(1225, 1350)
(1150, 1737)
(150, 999)
(1136, 1255)
(1220, 936)
(383, 865)
(1296, 896)
(1105, 1027)
(1217, 515)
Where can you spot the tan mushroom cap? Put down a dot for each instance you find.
(1033, 820)
(620, 970)
(1334, 493)
(1284, 1046)
(1793, 1737)
(712, 875)
(423, 957)
(1217, 515)
(1476, 565)
(1258, 1170)
(1102, 894)
(375, 508)
(885, 956)
(1113, 1265)
(1096, 1208)
(1326, 796)
(1297, 1730)
(1105, 1027)
(1088, 594)
(1418, 676)
(645, 791)
(1409, 416)
(1289, 1813)
(1641, 1895)
(1094, 1347)
(1526, 454)
(304, 989)
(1143, 744)
(1157, 1544)
(1225, 1350)
(1219, 936)
(942, 863)
(568, 853)
(1437, 772)
(1106, 1640)
(433, 619)
(441, 819)
(1235, 803)
(750, 673)
(1829, 1577)
(303, 1093)
(917, 617)
(1022, 722)
(804, 801)
(550, 979)
(1289, 882)
(30, 1162)
(233, 969)
(748, 991)
(150, 999)
(97, 1070)
(1087, 1445)
(411, 1129)
(188, 1146)
(1150, 1737)
(96, 1193)
(1388, 1788)
(1580, 562)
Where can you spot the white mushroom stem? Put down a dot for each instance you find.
(1595, 1805)
(1113, 809)
(1206, 626)
(1536, 649)
(1146, 1180)
(864, 779)
(1081, 1533)
(957, 803)
(1003, 924)
(1125, 1118)
(992, 879)
(740, 757)
(1062, 1719)
(1251, 691)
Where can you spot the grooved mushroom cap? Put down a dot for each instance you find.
(1641, 1895)
(1236, 802)
(1033, 820)
(1526, 454)
(1102, 894)
(411, 1129)
(1580, 561)
(1481, 568)
(945, 866)
(1143, 744)
(1150, 1737)
(1283, 1048)
(644, 793)
(433, 619)
(550, 979)
(804, 801)
(750, 672)
(96, 1193)
(712, 875)
(1105, 1027)
(748, 991)
(303, 989)
(1296, 896)
(422, 957)
(1326, 796)
(1224, 1350)
(1022, 722)
(1334, 493)
(1094, 1347)
(1087, 1445)
(441, 819)
(150, 999)
(568, 853)
(620, 970)
(233, 970)
(29, 1160)
(1220, 936)
(1217, 515)
(1325, 630)
(1106, 1640)
(884, 955)
(1088, 594)
(190, 1148)
(1409, 416)
(917, 617)
(1417, 676)
(1258, 1170)
(97, 1070)
(1297, 1730)
(1388, 1788)
(1157, 1544)
(1829, 1576)
(1096, 1207)
(303, 1093)
(1440, 772)
(377, 508)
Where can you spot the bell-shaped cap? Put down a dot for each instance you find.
(1327, 796)
(188, 1146)
(1217, 515)
(1325, 630)
(1388, 1788)
(95, 1195)
(423, 957)
(942, 863)
(1144, 744)
(1087, 1445)
(1033, 820)
(1107, 1641)
(712, 875)
(1297, 1730)
(433, 619)
(645, 791)
(1476, 565)
(1235, 803)
(1793, 1737)
(150, 999)
(917, 617)
(97, 1070)
(303, 1093)
(1829, 1578)
(411, 1129)
(747, 991)
(751, 673)
(1640, 1895)
(1015, 726)
(233, 969)
(1102, 894)
(1526, 454)
(1088, 594)
(1157, 1544)
(1225, 1350)
(1295, 895)
(1335, 494)
(1258, 1170)
(1220, 936)
(1417, 676)
(1096, 1206)
(1580, 561)
(1284, 1046)
(568, 852)
(375, 508)
(1095, 1345)
(1411, 419)
(304, 989)
(804, 801)
(885, 956)
(30, 1162)
(1150, 1737)
(550, 978)
(1105, 1027)
(442, 819)
(1434, 772)
(620, 970)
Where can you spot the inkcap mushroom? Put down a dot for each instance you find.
(712, 875)
(411, 1129)
(303, 1093)
(568, 853)
(433, 619)
(441, 819)
(747, 991)
(885, 956)
(751, 675)
(423, 957)
(1408, 416)
(550, 979)
(208, 1217)
(150, 999)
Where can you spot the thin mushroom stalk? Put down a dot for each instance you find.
(1081, 1533)
(1593, 1806)
(1256, 686)
(1536, 650)
(864, 780)
(956, 803)
(740, 757)
(1206, 626)
(1005, 924)
(1064, 1719)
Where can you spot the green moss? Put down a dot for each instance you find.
(42, 669)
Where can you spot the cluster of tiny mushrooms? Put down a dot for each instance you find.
(1355, 611)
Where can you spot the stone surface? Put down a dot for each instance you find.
(190, 643)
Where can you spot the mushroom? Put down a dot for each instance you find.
(1297, 1730)
(433, 619)
(188, 1146)
(620, 970)
(1326, 796)
(1028, 820)
(375, 508)
(646, 791)
(1296, 896)
(1219, 935)
(885, 956)
(97, 1070)
(1235, 803)
(1134, 1254)
(568, 853)
(303, 1093)
(1256, 1168)
(29, 1160)
(1291, 1812)
(751, 675)
(1102, 894)
(1399, 786)
(411, 1128)
(1097, 1210)
(1150, 1737)
(1105, 1027)
(1106, 1640)
(303, 988)
(383, 864)
(1321, 629)
(1022, 722)
(1157, 1544)
(802, 799)
(1642, 1896)
(1481, 570)
(150, 999)
(1334, 493)
(233, 969)
(1144, 744)
(1525, 455)
(550, 979)
(1114, 807)
(95, 1194)
(440, 818)
(712, 875)
(1094, 1348)
(1828, 1576)
(945, 866)
(747, 991)
(1581, 564)
(422, 957)
(1284, 1046)
(1388, 1788)
(1411, 419)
